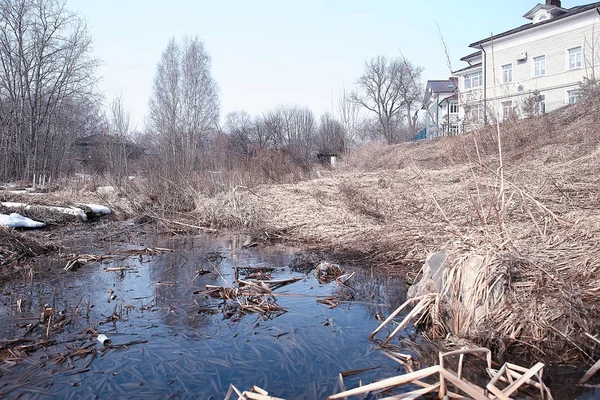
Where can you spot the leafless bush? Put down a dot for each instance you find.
(590, 89)
(531, 105)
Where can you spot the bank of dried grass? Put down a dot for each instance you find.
(16, 247)
(534, 220)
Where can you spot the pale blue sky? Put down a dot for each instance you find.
(271, 52)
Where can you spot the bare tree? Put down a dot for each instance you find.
(299, 135)
(239, 127)
(350, 118)
(332, 135)
(117, 145)
(391, 90)
(46, 70)
(184, 108)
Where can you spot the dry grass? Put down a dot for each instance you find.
(534, 222)
(15, 247)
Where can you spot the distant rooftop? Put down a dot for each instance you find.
(440, 86)
(568, 13)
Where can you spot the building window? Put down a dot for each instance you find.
(539, 66)
(542, 103)
(453, 107)
(507, 73)
(572, 96)
(574, 58)
(480, 112)
(453, 129)
(474, 113)
(473, 80)
(506, 109)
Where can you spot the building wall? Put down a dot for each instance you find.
(436, 117)
(552, 41)
(468, 100)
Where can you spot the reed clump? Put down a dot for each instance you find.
(15, 247)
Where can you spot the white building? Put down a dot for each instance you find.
(441, 108)
(535, 68)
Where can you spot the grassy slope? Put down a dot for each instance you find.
(538, 228)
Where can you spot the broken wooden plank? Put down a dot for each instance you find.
(387, 383)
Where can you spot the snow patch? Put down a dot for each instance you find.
(15, 220)
(78, 212)
(105, 189)
(10, 204)
(98, 209)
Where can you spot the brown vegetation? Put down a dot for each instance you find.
(15, 246)
(529, 214)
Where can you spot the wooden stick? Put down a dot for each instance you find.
(415, 394)
(473, 350)
(342, 384)
(491, 386)
(393, 315)
(513, 387)
(414, 312)
(590, 373)
(594, 338)
(389, 382)
(258, 396)
(184, 224)
(475, 392)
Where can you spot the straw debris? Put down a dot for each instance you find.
(15, 247)
(503, 383)
(248, 297)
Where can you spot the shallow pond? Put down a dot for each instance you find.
(182, 343)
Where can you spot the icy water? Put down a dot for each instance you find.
(183, 344)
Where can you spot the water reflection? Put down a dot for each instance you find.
(197, 354)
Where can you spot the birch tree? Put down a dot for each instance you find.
(184, 107)
(117, 149)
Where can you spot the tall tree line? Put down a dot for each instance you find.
(292, 129)
(47, 80)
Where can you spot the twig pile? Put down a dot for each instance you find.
(15, 246)
(503, 383)
(249, 297)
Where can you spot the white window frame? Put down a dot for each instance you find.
(542, 103)
(451, 105)
(507, 108)
(473, 77)
(475, 113)
(579, 62)
(507, 73)
(572, 96)
(534, 65)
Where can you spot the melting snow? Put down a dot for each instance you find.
(15, 220)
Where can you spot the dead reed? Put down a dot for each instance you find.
(15, 247)
(531, 220)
